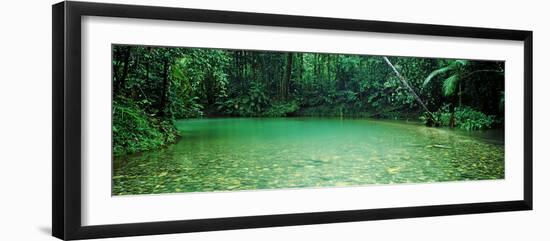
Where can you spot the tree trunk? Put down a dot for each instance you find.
(459, 94)
(147, 72)
(164, 88)
(452, 119)
(317, 67)
(124, 74)
(301, 67)
(406, 84)
(147, 65)
(288, 75)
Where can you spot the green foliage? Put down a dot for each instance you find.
(250, 104)
(135, 131)
(449, 85)
(187, 107)
(455, 70)
(442, 117)
(282, 109)
(199, 80)
(453, 66)
(470, 119)
(464, 118)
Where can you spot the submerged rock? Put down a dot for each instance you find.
(439, 146)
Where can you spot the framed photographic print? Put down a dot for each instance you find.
(170, 120)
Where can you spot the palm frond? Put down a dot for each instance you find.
(435, 73)
(454, 65)
(461, 61)
(449, 85)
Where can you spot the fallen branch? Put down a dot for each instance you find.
(406, 84)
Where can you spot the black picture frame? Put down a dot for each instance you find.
(66, 128)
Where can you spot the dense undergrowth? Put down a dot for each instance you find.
(136, 131)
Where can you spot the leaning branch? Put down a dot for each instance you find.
(406, 84)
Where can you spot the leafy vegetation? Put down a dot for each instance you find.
(154, 86)
(464, 118)
(134, 130)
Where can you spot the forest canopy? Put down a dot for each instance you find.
(154, 86)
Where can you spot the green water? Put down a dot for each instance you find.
(250, 154)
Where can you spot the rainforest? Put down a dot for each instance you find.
(201, 120)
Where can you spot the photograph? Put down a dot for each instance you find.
(179, 118)
(188, 119)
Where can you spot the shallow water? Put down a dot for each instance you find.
(249, 154)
